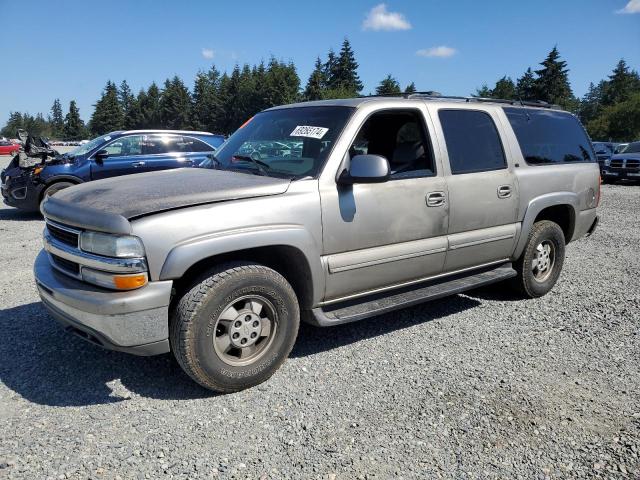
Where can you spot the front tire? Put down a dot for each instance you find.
(235, 326)
(540, 264)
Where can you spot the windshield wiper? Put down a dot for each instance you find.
(259, 164)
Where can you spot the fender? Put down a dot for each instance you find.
(185, 255)
(62, 178)
(534, 208)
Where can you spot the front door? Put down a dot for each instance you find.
(124, 157)
(386, 234)
(483, 192)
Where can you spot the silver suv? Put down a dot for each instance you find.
(329, 212)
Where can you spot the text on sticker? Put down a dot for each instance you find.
(308, 131)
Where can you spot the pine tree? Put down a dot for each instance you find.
(317, 83)
(623, 82)
(591, 103)
(526, 86)
(282, 83)
(57, 120)
(133, 118)
(411, 88)
(483, 92)
(552, 83)
(346, 70)
(150, 107)
(107, 115)
(388, 86)
(206, 102)
(505, 89)
(125, 97)
(14, 123)
(74, 128)
(175, 105)
(330, 70)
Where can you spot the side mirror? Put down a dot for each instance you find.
(101, 155)
(366, 169)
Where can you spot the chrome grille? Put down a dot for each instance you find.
(66, 265)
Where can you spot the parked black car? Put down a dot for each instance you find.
(117, 153)
(604, 151)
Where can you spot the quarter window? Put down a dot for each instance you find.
(472, 141)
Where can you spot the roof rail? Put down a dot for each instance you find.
(432, 95)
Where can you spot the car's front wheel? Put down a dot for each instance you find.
(540, 264)
(235, 326)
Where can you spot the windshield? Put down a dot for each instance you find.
(602, 147)
(631, 148)
(87, 147)
(291, 142)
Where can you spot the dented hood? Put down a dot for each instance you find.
(132, 196)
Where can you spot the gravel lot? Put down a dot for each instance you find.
(474, 386)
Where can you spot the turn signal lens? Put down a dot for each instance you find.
(114, 281)
(37, 170)
(129, 282)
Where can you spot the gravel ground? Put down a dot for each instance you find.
(474, 386)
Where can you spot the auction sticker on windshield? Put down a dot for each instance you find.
(308, 131)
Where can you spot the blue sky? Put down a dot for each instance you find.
(71, 48)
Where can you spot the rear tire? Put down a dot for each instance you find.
(235, 326)
(540, 264)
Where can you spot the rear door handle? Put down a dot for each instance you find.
(435, 199)
(138, 164)
(504, 191)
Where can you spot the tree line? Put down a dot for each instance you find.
(220, 102)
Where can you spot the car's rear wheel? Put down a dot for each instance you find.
(540, 264)
(235, 326)
(54, 188)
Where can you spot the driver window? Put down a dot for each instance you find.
(125, 146)
(400, 137)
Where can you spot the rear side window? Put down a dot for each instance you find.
(549, 136)
(472, 141)
(190, 144)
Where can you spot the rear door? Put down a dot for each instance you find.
(483, 192)
(124, 158)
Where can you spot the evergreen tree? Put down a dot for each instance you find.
(15, 122)
(133, 118)
(552, 83)
(345, 74)
(388, 86)
(526, 86)
(74, 128)
(57, 120)
(206, 102)
(591, 103)
(282, 83)
(483, 92)
(411, 88)
(623, 82)
(317, 83)
(125, 97)
(330, 70)
(107, 115)
(619, 122)
(175, 105)
(150, 107)
(505, 89)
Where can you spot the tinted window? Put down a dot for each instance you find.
(631, 148)
(190, 144)
(400, 137)
(125, 146)
(549, 136)
(472, 141)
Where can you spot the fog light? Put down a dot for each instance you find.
(114, 281)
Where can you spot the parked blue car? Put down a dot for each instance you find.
(117, 153)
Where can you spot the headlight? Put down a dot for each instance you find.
(120, 246)
(607, 161)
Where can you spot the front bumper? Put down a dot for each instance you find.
(21, 192)
(135, 321)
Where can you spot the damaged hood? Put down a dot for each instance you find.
(137, 195)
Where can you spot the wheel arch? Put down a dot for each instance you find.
(560, 207)
(298, 261)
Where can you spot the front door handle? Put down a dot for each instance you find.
(504, 191)
(138, 164)
(435, 199)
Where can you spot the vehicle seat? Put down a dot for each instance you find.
(405, 156)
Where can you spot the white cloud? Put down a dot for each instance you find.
(632, 7)
(379, 18)
(208, 53)
(442, 51)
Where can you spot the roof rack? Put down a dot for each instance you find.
(432, 95)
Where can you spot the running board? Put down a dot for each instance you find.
(377, 304)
